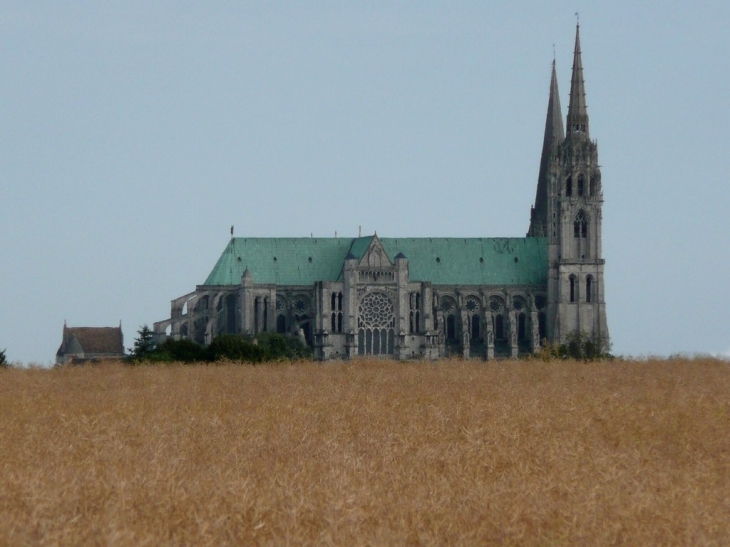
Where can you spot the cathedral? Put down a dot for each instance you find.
(431, 297)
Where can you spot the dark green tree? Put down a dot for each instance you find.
(144, 344)
(185, 351)
(3, 359)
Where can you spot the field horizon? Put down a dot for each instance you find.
(369, 452)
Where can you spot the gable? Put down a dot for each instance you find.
(375, 256)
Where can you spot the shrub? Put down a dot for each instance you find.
(578, 345)
(184, 350)
(277, 347)
(236, 348)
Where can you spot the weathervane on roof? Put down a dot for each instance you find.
(231, 231)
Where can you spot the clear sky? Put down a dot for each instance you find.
(134, 134)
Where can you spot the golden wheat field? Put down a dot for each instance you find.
(367, 453)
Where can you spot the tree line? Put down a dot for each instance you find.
(232, 347)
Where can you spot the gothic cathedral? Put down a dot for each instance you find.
(410, 298)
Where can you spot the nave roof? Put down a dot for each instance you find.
(440, 260)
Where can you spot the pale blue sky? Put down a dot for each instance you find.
(134, 134)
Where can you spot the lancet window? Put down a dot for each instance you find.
(589, 287)
(580, 226)
(473, 315)
(448, 307)
(573, 289)
(336, 308)
(497, 307)
(415, 312)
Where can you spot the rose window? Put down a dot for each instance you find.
(447, 304)
(472, 305)
(301, 304)
(496, 305)
(376, 311)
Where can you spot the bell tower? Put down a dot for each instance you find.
(573, 221)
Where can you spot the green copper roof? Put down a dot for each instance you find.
(442, 261)
(473, 261)
(281, 260)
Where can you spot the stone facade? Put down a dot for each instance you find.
(427, 297)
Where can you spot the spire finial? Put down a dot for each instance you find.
(577, 19)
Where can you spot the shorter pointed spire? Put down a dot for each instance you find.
(577, 121)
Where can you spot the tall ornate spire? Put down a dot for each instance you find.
(577, 110)
(553, 136)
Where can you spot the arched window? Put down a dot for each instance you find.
(521, 326)
(581, 185)
(415, 305)
(451, 328)
(580, 226)
(475, 330)
(589, 287)
(281, 324)
(230, 314)
(593, 186)
(573, 289)
(336, 318)
(499, 327)
(569, 187)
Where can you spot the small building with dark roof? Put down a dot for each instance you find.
(85, 344)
